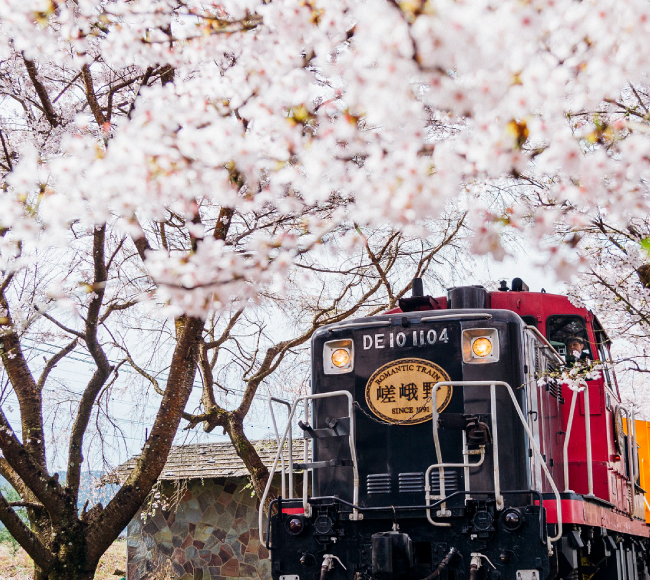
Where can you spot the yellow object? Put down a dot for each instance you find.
(340, 358)
(643, 442)
(482, 347)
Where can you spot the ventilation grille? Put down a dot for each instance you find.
(451, 481)
(411, 482)
(378, 483)
(555, 389)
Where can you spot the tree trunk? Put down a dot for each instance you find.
(248, 454)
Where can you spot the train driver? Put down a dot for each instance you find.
(575, 347)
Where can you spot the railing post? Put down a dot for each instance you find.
(590, 467)
(495, 447)
(436, 441)
(353, 453)
(288, 472)
(565, 451)
(305, 472)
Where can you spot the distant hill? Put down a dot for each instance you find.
(88, 489)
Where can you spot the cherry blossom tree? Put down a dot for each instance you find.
(134, 135)
(104, 319)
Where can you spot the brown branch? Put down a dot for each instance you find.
(26, 504)
(144, 373)
(53, 362)
(226, 333)
(32, 474)
(48, 108)
(141, 243)
(10, 276)
(375, 261)
(167, 72)
(22, 381)
(10, 165)
(216, 416)
(638, 97)
(223, 223)
(61, 326)
(64, 89)
(103, 370)
(629, 306)
(145, 80)
(207, 396)
(116, 308)
(124, 505)
(275, 354)
(14, 480)
(25, 537)
(91, 97)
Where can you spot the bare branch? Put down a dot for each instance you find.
(53, 362)
(61, 326)
(103, 370)
(226, 333)
(144, 373)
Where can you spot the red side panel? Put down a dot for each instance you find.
(578, 511)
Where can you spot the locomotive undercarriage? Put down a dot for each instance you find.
(480, 543)
(591, 553)
(477, 543)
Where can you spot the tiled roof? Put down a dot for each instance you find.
(205, 460)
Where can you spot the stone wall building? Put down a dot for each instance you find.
(212, 533)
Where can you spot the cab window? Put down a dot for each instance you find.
(560, 329)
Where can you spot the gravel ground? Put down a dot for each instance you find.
(15, 564)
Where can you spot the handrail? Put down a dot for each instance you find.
(289, 473)
(565, 451)
(359, 324)
(590, 465)
(493, 385)
(631, 444)
(353, 453)
(461, 316)
(442, 466)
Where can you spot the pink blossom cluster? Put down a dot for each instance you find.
(528, 113)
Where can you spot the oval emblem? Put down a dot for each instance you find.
(401, 391)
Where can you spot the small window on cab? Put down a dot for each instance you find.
(530, 320)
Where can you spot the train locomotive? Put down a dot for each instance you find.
(439, 441)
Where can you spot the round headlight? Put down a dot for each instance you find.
(340, 358)
(295, 525)
(512, 519)
(482, 347)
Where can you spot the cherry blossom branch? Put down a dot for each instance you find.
(48, 108)
(91, 97)
(10, 164)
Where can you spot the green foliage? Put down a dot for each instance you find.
(10, 495)
(645, 244)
